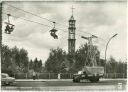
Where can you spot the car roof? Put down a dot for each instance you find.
(4, 74)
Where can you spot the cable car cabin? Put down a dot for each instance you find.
(53, 33)
(9, 28)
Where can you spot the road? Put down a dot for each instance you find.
(68, 85)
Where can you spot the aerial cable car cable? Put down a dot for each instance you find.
(32, 14)
(53, 31)
(29, 20)
(46, 18)
(29, 12)
(54, 35)
(32, 21)
(42, 24)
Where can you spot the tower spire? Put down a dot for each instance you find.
(72, 9)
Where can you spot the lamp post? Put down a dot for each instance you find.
(106, 51)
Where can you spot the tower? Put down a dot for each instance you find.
(71, 37)
(92, 52)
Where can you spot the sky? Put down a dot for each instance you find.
(103, 19)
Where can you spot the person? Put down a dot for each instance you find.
(34, 75)
(53, 33)
(12, 28)
(7, 29)
(59, 75)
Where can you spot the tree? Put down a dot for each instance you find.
(101, 62)
(7, 63)
(35, 65)
(21, 59)
(31, 64)
(82, 57)
(39, 65)
(66, 62)
(6, 56)
(13, 60)
(60, 62)
(55, 59)
(112, 65)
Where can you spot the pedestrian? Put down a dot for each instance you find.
(34, 75)
(59, 76)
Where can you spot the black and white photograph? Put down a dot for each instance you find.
(75, 45)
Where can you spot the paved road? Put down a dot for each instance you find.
(61, 85)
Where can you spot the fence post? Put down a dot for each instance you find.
(114, 75)
(106, 75)
(14, 75)
(70, 75)
(49, 75)
(26, 76)
(38, 75)
(123, 75)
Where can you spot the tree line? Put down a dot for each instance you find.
(61, 62)
(15, 60)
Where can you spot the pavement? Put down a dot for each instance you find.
(62, 88)
(67, 85)
(38, 80)
(102, 79)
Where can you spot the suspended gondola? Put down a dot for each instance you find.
(9, 27)
(53, 32)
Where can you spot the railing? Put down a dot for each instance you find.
(43, 76)
(115, 75)
(62, 75)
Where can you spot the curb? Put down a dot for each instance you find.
(43, 80)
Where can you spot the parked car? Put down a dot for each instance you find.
(6, 80)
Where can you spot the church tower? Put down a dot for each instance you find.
(71, 37)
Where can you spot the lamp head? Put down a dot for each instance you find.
(115, 35)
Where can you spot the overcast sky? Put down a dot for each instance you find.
(103, 19)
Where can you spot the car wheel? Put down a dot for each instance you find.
(97, 79)
(78, 80)
(74, 80)
(94, 79)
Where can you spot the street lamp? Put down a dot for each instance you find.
(106, 50)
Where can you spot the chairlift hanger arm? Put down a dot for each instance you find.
(84, 37)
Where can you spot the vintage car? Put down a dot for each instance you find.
(6, 80)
